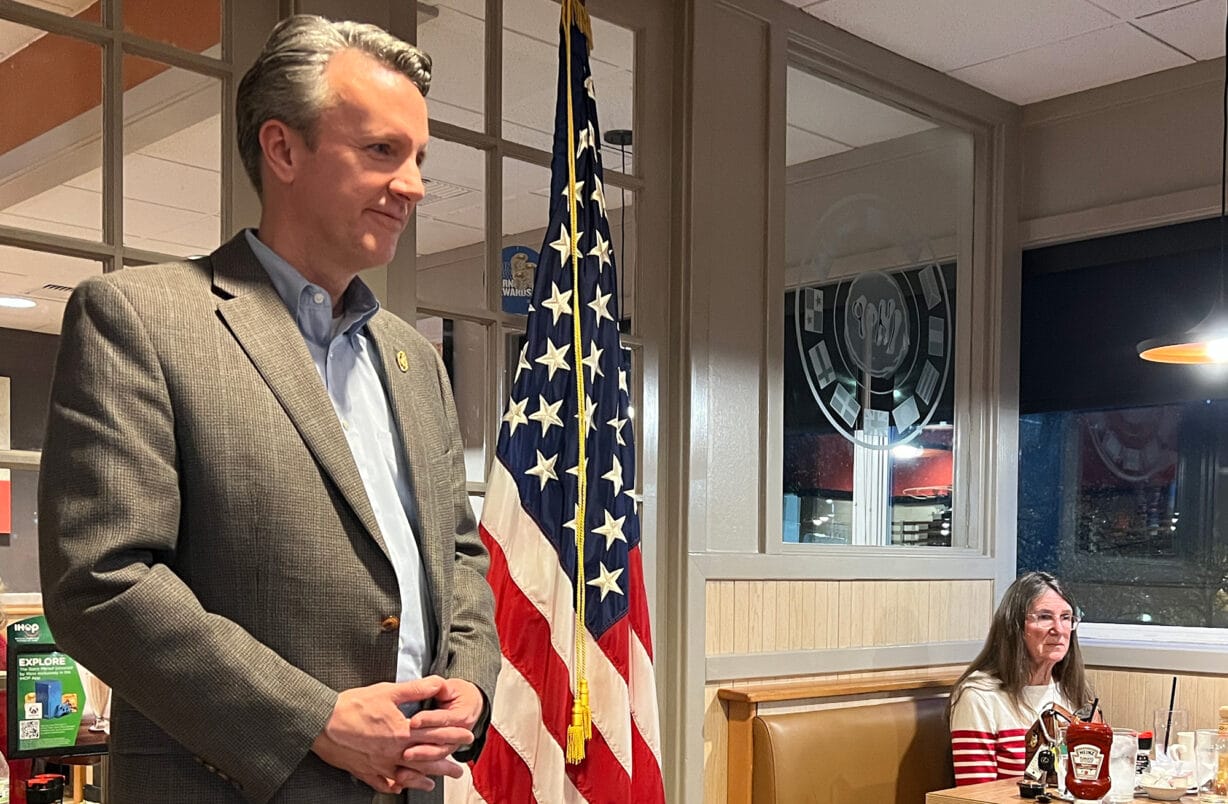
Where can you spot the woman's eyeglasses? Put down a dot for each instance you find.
(1047, 620)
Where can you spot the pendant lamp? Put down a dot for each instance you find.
(1206, 341)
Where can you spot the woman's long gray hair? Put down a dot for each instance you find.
(1005, 656)
(287, 82)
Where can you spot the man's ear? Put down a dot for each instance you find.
(282, 147)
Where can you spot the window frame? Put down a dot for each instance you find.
(982, 376)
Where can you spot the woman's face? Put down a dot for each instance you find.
(1046, 631)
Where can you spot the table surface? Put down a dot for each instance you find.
(1003, 791)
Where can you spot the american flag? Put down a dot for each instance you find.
(533, 500)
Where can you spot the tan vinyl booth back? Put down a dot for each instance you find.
(879, 753)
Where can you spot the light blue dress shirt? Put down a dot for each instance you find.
(346, 359)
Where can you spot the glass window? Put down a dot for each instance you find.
(51, 138)
(172, 159)
(194, 25)
(531, 70)
(452, 228)
(1122, 462)
(453, 33)
(463, 346)
(876, 198)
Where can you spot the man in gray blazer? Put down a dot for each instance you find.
(254, 522)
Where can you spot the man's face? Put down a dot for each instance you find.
(354, 192)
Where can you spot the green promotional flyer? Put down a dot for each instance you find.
(56, 705)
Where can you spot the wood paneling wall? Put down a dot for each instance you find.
(1130, 697)
(754, 616)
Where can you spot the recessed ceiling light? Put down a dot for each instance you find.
(17, 302)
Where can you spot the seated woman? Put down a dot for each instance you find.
(1031, 658)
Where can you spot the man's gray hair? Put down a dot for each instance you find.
(287, 81)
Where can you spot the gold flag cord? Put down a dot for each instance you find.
(581, 728)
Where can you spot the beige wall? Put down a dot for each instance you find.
(764, 615)
(1130, 698)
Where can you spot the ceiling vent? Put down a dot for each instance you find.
(437, 190)
(50, 292)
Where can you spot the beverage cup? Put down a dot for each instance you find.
(1211, 766)
(1121, 766)
(1168, 725)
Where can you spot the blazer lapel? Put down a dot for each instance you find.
(258, 317)
(416, 406)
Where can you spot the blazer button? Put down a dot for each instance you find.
(390, 624)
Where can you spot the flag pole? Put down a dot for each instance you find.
(581, 729)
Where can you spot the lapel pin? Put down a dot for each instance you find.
(402, 361)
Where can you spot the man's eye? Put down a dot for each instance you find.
(381, 148)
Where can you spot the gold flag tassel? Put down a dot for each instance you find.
(581, 729)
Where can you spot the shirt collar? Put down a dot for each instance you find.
(314, 318)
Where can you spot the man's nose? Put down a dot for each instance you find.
(408, 184)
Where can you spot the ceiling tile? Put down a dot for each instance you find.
(38, 268)
(201, 236)
(1196, 28)
(172, 184)
(437, 236)
(199, 145)
(949, 34)
(51, 227)
(456, 38)
(145, 220)
(88, 181)
(63, 204)
(839, 114)
(1094, 59)
(802, 146)
(1132, 9)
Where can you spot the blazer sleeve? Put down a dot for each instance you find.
(473, 643)
(109, 510)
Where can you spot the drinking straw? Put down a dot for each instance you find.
(1092, 714)
(1172, 699)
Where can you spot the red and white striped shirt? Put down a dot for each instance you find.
(987, 731)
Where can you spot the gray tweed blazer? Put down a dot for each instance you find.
(206, 543)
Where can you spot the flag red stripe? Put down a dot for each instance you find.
(646, 781)
(505, 778)
(600, 777)
(638, 605)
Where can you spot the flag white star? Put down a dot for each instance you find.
(571, 523)
(601, 251)
(622, 379)
(588, 139)
(593, 360)
(565, 245)
(607, 581)
(590, 87)
(598, 195)
(523, 362)
(635, 498)
(554, 359)
(617, 424)
(547, 414)
(601, 306)
(615, 475)
(567, 190)
(544, 470)
(515, 415)
(612, 530)
(559, 302)
(590, 409)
